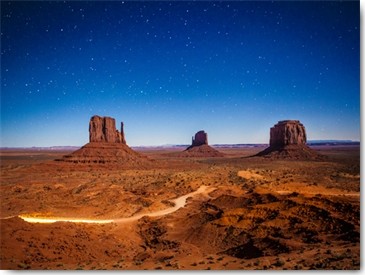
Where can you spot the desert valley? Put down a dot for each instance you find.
(108, 206)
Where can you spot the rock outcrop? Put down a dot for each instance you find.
(288, 140)
(287, 132)
(107, 145)
(200, 148)
(102, 129)
(201, 138)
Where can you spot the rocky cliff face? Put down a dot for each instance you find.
(287, 132)
(107, 146)
(288, 141)
(201, 138)
(102, 129)
(199, 147)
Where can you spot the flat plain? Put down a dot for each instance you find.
(249, 213)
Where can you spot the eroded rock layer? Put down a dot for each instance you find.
(287, 132)
(201, 151)
(288, 140)
(200, 148)
(107, 145)
(102, 129)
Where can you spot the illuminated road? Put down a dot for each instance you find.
(179, 203)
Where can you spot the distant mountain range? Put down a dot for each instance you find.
(238, 145)
(332, 142)
(50, 148)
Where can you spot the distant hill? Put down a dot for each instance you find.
(332, 142)
(50, 148)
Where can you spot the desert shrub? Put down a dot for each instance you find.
(279, 263)
(23, 266)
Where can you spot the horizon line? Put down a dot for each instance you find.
(181, 145)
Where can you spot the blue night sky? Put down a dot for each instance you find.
(170, 69)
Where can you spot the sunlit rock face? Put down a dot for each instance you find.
(106, 145)
(102, 129)
(287, 132)
(288, 140)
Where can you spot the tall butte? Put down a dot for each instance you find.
(106, 145)
(288, 140)
(200, 148)
(102, 129)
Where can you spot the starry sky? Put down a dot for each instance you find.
(169, 69)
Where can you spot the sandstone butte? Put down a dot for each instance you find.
(288, 140)
(200, 148)
(106, 145)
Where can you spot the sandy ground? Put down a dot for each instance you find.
(253, 213)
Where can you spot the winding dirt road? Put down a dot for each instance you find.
(179, 203)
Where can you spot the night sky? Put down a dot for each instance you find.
(170, 69)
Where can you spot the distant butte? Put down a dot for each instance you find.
(288, 140)
(200, 148)
(106, 145)
(102, 129)
(201, 138)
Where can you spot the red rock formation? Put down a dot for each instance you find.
(287, 132)
(288, 140)
(201, 138)
(201, 151)
(107, 145)
(200, 148)
(102, 129)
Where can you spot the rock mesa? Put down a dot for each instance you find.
(200, 148)
(287, 132)
(288, 139)
(201, 138)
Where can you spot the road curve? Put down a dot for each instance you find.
(179, 203)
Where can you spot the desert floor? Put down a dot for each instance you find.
(251, 213)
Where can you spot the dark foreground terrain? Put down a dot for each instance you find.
(254, 213)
